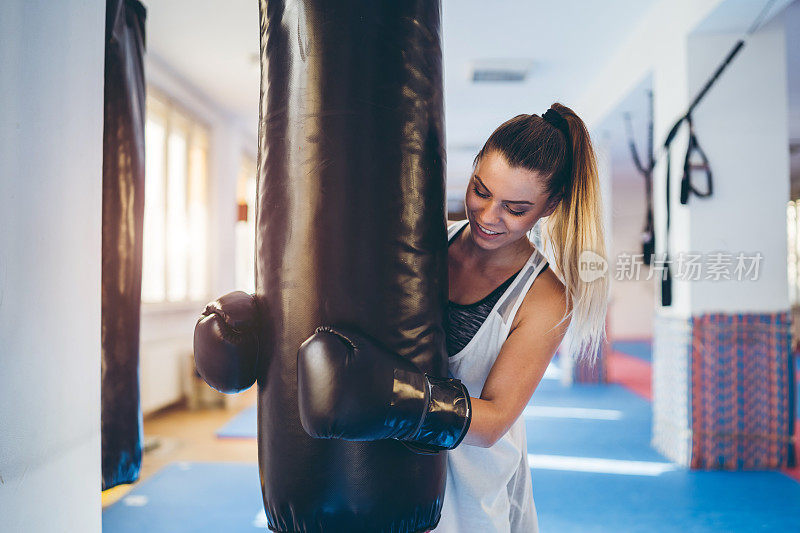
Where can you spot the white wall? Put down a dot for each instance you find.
(51, 140)
(167, 329)
(664, 27)
(632, 301)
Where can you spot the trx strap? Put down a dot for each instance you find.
(666, 277)
(686, 181)
(648, 232)
(687, 188)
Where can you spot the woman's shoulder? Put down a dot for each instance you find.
(545, 300)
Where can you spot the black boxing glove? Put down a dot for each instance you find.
(349, 387)
(226, 342)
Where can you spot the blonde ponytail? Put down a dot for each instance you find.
(573, 232)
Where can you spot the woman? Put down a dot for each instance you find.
(509, 309)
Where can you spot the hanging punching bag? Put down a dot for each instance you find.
(350, 230)
(123, 219)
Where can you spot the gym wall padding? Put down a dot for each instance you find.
(123, 215)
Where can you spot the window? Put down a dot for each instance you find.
(174, 258)
(246, 225)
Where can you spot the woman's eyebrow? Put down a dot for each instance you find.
(506, 201)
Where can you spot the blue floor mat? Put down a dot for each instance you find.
(214, 497)
(627, 438)
(678, 501)
(594, 470)
(641, 349)
(243, 425)
(618, 499)
(192, 497)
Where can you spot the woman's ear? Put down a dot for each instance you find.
(551, 206)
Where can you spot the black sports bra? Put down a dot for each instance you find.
(464, 320)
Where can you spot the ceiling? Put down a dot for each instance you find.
(214, 46)
(567, 41)
(211, 45)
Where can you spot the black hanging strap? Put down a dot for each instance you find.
(666, 277)
(687, 188)
(694, 146)
(648, 232)
(686, 181)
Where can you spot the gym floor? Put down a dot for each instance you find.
(589, 447)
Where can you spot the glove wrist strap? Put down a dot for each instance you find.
(445, 420)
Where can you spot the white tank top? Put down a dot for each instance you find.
(489, 489)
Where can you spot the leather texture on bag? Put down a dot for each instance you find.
(350, 231)
(123, 218)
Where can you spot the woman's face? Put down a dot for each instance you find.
(503, 199)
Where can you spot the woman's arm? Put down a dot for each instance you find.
(521, 363)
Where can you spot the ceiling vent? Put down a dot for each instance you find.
(464, 147)
(500, 70)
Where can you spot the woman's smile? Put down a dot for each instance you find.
(485, 233)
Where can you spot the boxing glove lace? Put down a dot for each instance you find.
(351, 388)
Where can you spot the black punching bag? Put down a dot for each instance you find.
(123, 219)
(350, 231)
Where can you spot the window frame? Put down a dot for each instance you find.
(197, 133)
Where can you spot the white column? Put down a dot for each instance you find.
(51, 140)
(742, 126)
